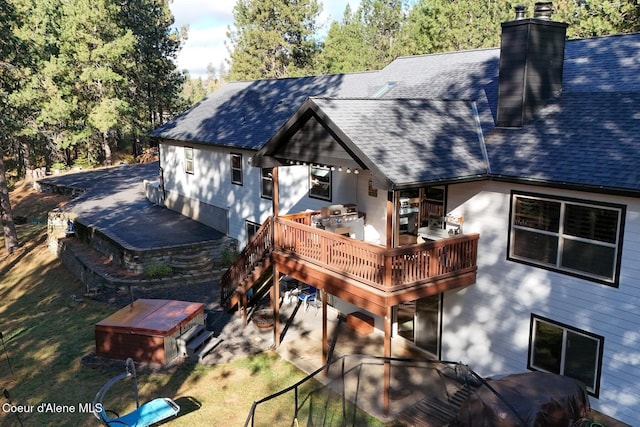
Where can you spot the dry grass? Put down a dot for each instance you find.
(47, 334)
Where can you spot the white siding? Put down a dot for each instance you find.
(210, 184)
(487, 325)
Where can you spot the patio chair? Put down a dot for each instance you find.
(309, 295)
(152, 412)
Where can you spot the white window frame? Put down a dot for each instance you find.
(557, 265)
(251, 229)
(235, 169)
(266, 176)
(594, 388)
(188, 160)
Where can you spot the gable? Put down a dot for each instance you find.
(402, 142)
(311, 141)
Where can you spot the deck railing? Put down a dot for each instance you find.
(385, 269)
(371, 264)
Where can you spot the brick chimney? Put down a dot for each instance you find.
(531, 61)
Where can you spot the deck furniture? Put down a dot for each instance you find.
(155, 411)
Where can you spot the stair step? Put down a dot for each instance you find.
(194, 345)
(460, 396)
(440, 409)
(184, 339)
(195, 330)
(206, 349)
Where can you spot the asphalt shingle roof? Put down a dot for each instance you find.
(582, 138)
(247, 114)
(588, 135)
(411, 140)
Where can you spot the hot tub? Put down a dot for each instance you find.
(147, 329)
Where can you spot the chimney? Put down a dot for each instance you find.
(531, 61)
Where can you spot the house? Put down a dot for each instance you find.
(484, 204)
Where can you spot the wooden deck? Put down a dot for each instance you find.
(371, 276)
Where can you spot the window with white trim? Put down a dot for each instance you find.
(236, 168)
(320, 183)
(576, 237)
(563, 350)
(188, 160)
(266, 183)
(252, 229)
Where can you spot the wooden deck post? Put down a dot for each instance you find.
(244, 303)
(275, 304)
(387, 363)
(276, 192)
(325, 347)
(390, 212)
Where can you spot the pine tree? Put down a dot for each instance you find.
(450, 25)
(590, 18)
(12, 57)
(364, 40)
(274, 38)
(155, 82)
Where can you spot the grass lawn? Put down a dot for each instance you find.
(47, 333)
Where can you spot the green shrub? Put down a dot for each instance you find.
(59, 166)
(158, 270)
(82, 162)
(228, 257)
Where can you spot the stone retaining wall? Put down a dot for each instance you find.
(95, 279)
(137, 260)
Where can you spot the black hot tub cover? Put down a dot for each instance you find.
(532, 399)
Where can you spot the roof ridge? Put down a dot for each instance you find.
(367, 98)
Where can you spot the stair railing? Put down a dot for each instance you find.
(254, 253)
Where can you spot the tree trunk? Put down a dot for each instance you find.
(8, 226)
(107, 149)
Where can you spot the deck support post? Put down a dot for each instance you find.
(244, 303)
(325, 347)
(387, 363)
(275, 305)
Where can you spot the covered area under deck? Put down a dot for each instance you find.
(371, 277)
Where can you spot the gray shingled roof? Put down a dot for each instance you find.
(581, 138)
(247, 114)
(590, 134)
(411, 141)
(587, 136)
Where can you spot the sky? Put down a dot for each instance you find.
(208, 23)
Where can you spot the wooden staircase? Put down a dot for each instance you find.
(250, 269)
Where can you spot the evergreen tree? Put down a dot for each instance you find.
(40, 26)
(345, 47)
(274, 38)
(365, 40)
(12, 57)
(591, 18)
(450, 25)
(155, 82)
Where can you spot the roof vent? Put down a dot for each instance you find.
(520, 10)
(543, 10)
